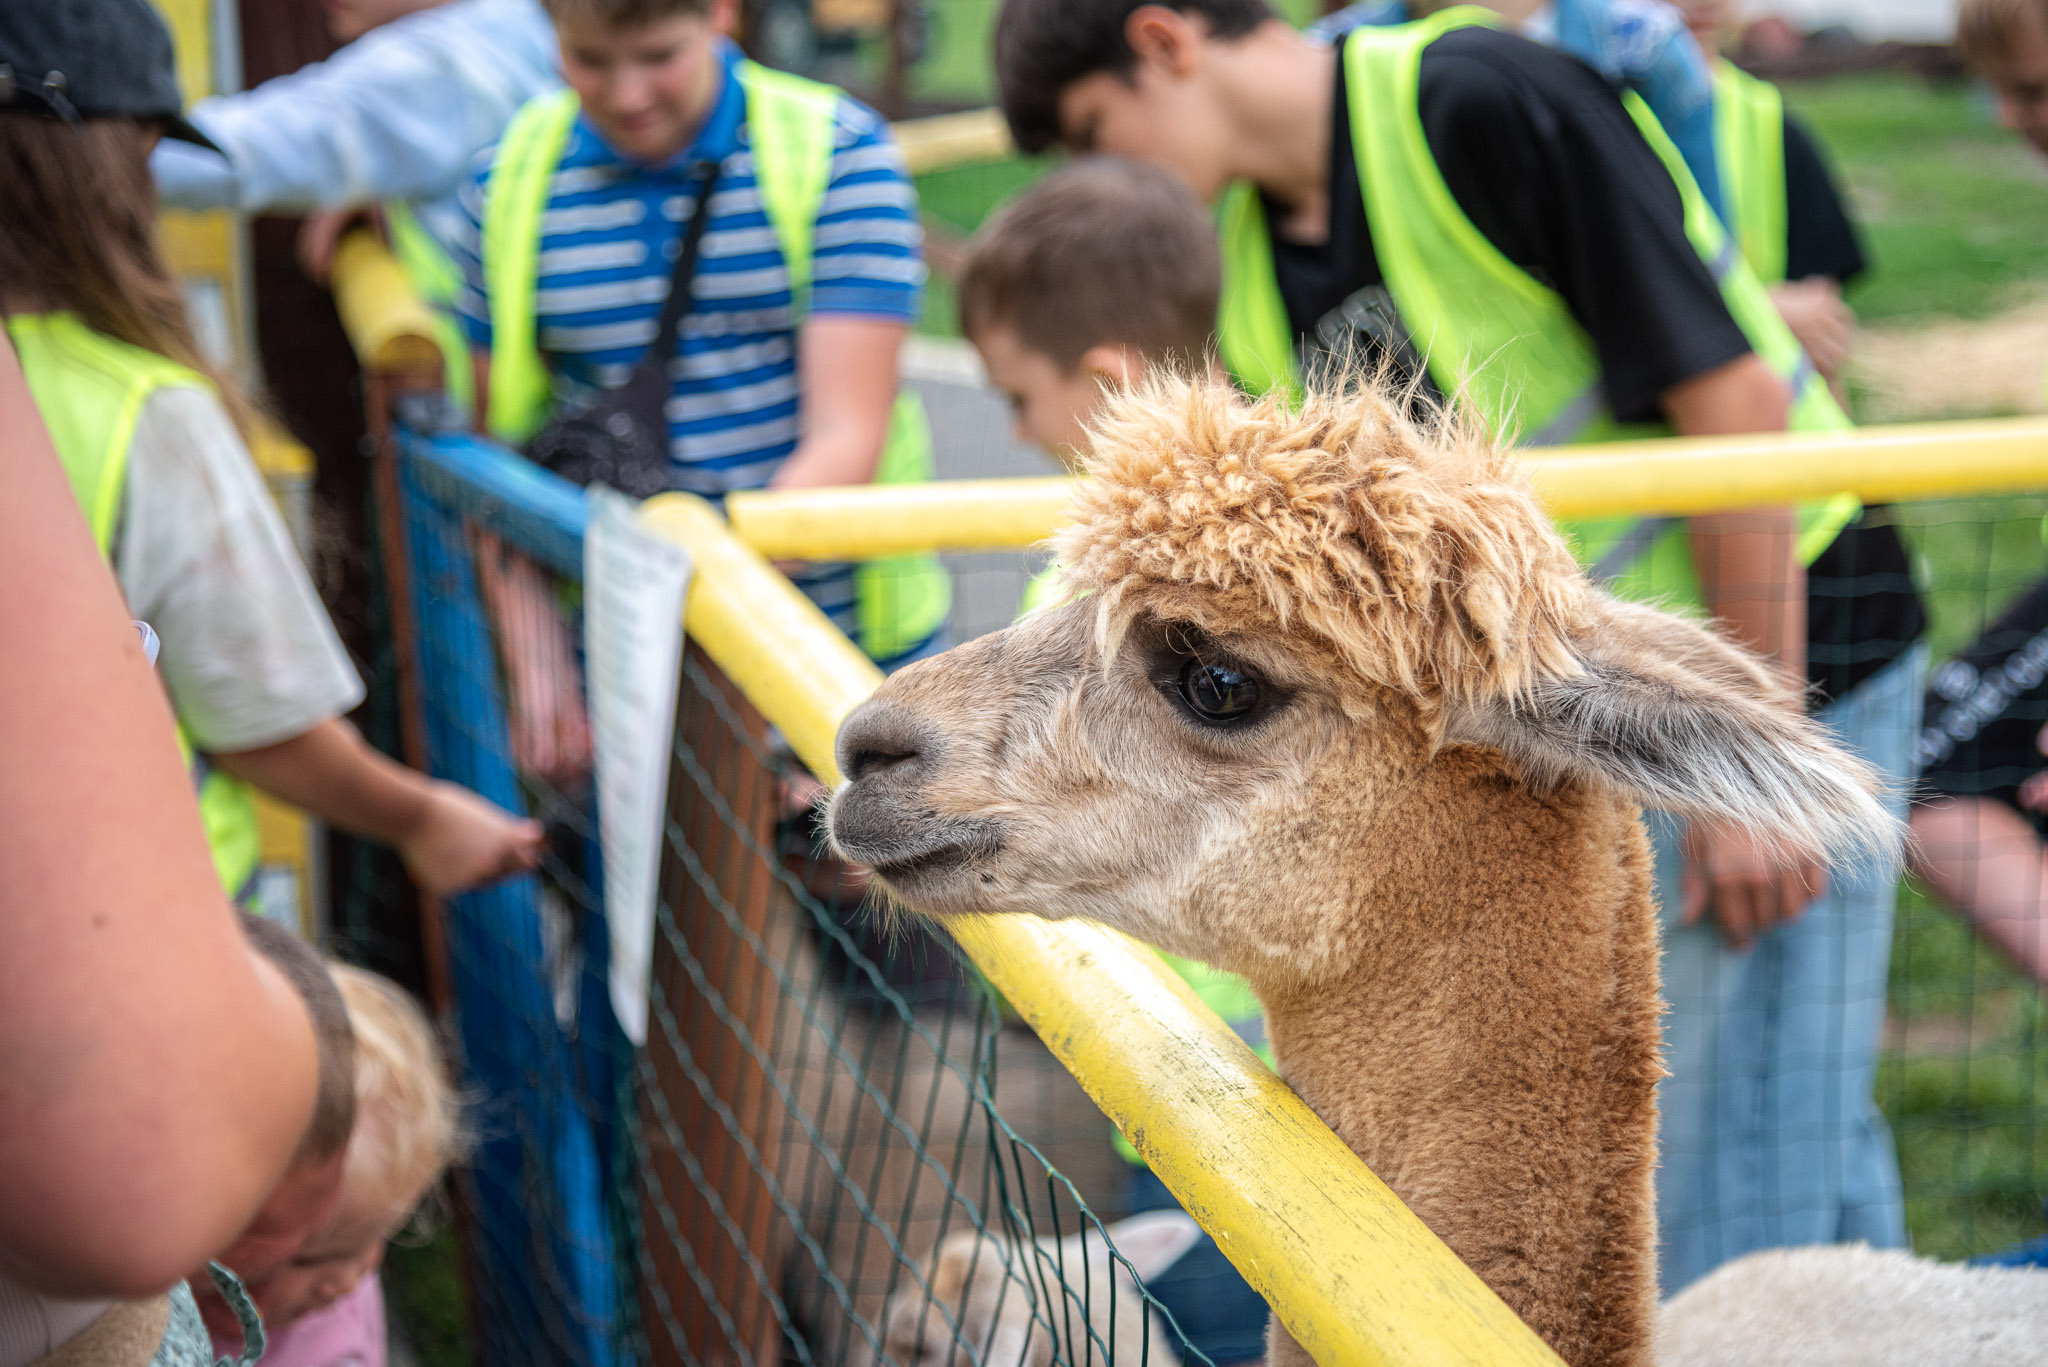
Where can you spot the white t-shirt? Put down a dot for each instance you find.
(34, 1326)
(249, 656)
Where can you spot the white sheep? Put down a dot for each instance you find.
(1850, 1305)
(1013, 1310)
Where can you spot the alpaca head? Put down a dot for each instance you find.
(1281, 616)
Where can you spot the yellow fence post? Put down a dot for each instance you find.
(1351, 1272)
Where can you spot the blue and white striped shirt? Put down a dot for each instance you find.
(609, 236)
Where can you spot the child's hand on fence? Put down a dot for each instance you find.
(463, 841)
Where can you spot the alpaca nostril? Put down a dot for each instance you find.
(865, 762)
(880, 737)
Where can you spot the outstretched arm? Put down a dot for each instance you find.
(398, 113)
(132, 1014)
(449, 837)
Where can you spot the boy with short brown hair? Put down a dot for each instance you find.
(2007, 42)
(1102, 269)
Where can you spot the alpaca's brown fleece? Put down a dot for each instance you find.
(1491, 1051)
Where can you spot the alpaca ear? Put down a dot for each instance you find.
(1677, 718)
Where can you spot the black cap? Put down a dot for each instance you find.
(91, 59)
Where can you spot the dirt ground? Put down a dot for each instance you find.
(1951, 368)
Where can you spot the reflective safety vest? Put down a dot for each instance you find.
(901, 599)
(436, 279)
(1749, 145)
(1487, 330)
(90, 390)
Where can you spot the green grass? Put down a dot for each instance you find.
(1964, 1080)
(1974, 555)
(424, 1284)
(1956, 209)
(1965, 1086)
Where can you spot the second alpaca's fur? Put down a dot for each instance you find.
(987, 1301)
(1856, 1306)
(1336, 710)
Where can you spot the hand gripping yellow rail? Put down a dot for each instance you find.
(1350, 1271)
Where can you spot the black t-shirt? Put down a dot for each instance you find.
(1862, 610)
(1986, 707)
(1542, 157)
(1820, 237)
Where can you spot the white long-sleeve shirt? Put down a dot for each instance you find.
(398, 114)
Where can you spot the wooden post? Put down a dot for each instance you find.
(710, 1119)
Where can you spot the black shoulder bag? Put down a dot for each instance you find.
(620, 437)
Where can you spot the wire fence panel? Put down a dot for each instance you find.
(544, 1274)
(837, 1146)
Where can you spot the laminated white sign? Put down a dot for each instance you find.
(633, 587)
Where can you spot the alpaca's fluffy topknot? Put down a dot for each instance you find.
(1410, 550)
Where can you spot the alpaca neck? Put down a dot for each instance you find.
(1490, 1046)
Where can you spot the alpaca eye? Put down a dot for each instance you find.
(1218, 693)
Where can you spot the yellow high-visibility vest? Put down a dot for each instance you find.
(1486, 329)
(90, 390)
(901, 600)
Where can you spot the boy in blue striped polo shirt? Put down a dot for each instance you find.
(780, 378)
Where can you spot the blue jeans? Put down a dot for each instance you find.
(1770, 1134)
(1218, 1312)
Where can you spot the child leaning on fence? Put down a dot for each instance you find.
(783, 368)
(324, 1307)
(1100, 272)
(155, 445)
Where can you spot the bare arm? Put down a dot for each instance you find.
(155, 1077)
(1747, 561)
(1753, 581)
(450, 838)
(846, 368)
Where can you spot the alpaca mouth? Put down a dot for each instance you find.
(927, 867)
(929, 852)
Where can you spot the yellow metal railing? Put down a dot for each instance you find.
(1674, 476)
(389, 326)
(944, 141)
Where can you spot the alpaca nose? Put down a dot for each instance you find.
(878, 738)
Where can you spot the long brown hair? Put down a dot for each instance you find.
(78, 231)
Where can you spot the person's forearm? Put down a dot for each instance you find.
(830, 458)
(334, 775)
(1751, 578)
(846, 370)
(133, 1016)
(1747, 561)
